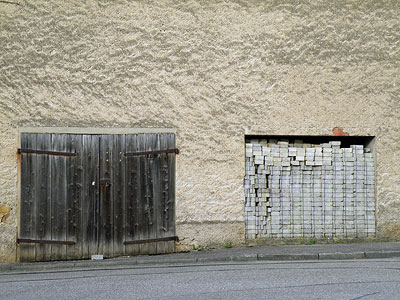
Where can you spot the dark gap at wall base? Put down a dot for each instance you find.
(317, 139)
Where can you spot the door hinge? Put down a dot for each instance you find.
(165, 239)
(30, 241)
(176, 151)
(33, 151)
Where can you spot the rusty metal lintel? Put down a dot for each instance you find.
(45, 242)
(33, 151)
(176, 151)
(166, 239)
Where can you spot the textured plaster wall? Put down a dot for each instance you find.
(215, 71)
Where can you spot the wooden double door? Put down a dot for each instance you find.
(83, 195)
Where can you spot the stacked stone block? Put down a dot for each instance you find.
(296, 190)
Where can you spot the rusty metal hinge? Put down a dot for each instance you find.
(165, 239)
(176, 151)
(33, 151)
(30, 241)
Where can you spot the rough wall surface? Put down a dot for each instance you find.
(215, 71)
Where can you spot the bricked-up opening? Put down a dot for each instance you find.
(309, 186)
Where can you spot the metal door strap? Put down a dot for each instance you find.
(176, 151)
(165, 239)
(33, 151)
(45, 242)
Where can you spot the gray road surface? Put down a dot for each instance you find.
(349, 279)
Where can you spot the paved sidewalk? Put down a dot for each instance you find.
(285, 253)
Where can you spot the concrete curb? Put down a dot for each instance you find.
(265, 256)
(160, 260)
(382, 254)
(340, 255)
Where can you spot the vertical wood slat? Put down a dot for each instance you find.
(143, 196)
(74, 196)
(28, 161)
(86, 186)
(119, 185)
(106, 197)
(171, 192)
(96, 198)
(162, 247)
(59, 183)
(43, 197)
(158, 194)
(132, 193)
(151, 190)
(91, 187)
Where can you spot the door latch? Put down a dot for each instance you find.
(105, 182)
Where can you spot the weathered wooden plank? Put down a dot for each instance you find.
(74, 197)
(162, 221)
(28, 174)
(118, 182)
(143, 195)
(106, 196)
(152, 189)
(90, 205)
(157, 194)
(59, 182)
(43, 197)
(132, 191)
(170, 205)
(86, 187)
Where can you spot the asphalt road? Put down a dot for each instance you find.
(347, 279)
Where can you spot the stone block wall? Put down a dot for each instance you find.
(296, 190)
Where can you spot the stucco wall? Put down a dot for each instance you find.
(214, 71)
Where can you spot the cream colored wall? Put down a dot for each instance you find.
(214, 71)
